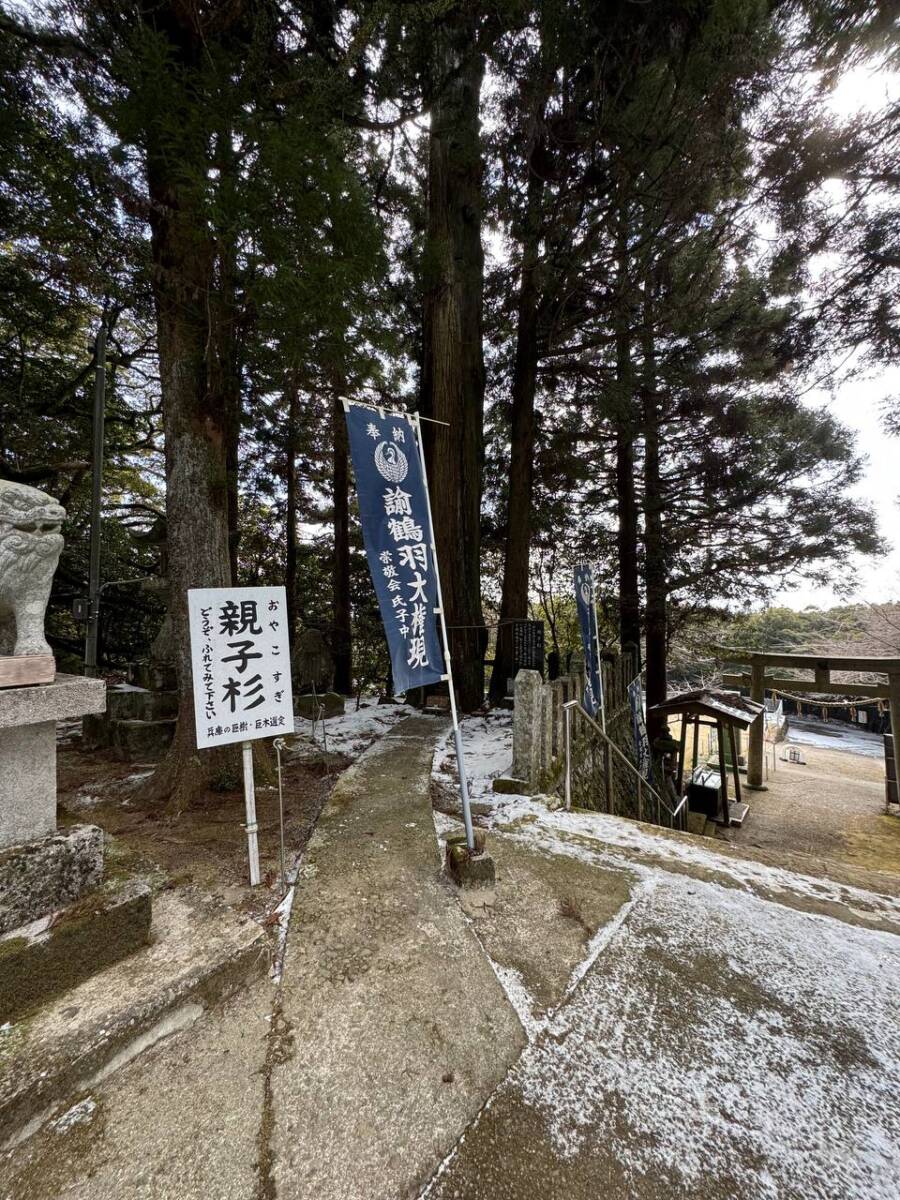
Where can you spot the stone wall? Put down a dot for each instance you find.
(539, 723)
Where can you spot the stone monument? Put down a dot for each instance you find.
(312, 667)
(58, 921)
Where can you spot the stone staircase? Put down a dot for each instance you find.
(140, 716)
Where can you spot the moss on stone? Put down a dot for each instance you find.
(91, 934)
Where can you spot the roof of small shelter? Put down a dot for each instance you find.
(729, 707)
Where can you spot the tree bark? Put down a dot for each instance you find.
(341, 642)
(514, 595)
(626, 501)
(655, 617)
(290, 519)
(193, 405)
(225, 341)
(453, 358)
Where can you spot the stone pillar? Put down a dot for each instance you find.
(546, 725)
(757, 729)
(28, 717)
(27, 783)
(556, 737)
(526, 764)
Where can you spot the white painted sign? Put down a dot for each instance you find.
(241, 664)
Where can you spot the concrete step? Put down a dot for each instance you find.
(141, 741)
(125, 703)
(199, 954)
(45, 958)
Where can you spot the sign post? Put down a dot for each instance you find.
(240, 660)
(398, 533)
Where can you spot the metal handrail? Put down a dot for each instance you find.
(641, 781)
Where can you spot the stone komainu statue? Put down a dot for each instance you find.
(30, 546)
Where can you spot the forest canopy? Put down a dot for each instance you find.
(614, 247)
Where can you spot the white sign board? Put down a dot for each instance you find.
(241, 664)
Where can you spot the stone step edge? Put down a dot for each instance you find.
(67, 1080)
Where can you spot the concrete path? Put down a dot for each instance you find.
(637, 1017)
(712, 1044)
(395, 1029)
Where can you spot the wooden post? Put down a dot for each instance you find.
(682, 750)
(720, 734)
(894, 697)
(757, 729)
(734, 764)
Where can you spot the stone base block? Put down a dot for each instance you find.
(469, 870)
(140, 704)
(96, 732)
(507, 786)
(308, 706)
(28, 717)
(18, 670)
(43, 959)
(155, 677)
(41, 877)
(143, 741)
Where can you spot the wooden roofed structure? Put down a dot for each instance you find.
(725, 711)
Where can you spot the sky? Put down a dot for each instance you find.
(856, 404)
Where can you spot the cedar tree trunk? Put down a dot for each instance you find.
(341, 643)
(453, 359)
(514, 596)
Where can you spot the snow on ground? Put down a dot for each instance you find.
(354, 731)
(724, 1037)
(600, 838)
(832, 735)
(487, 745)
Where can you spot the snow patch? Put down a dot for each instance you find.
(352, 732)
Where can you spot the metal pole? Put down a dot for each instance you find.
(460, 756)
(93, 621)
(279, 745)
(568, 718)
(250, 804)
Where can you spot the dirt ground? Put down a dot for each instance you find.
(831, 807)
(204, 847)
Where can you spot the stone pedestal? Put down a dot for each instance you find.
(28, 717)
(58, 921)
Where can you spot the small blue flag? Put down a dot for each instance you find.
(397, 534)
(587, 619)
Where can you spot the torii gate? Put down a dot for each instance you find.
(821, 666)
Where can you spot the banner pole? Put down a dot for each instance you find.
(460, 756)
(250, 804)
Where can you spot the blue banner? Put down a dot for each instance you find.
(592, 703)
(639, 727)
(397, 534)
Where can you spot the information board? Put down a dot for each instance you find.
(241, 664)
(527, 646)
